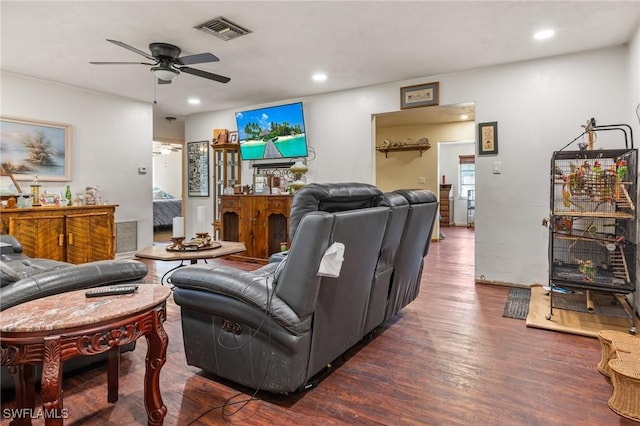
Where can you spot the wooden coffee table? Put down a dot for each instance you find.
(160, 252)
(54, 329)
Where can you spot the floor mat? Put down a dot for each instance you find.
(517, 305)
(569, 321)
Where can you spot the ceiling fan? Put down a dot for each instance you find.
(166, 148)
(167, 63)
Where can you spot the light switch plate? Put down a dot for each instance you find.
(497, 167)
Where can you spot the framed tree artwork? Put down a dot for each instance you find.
(36, 148)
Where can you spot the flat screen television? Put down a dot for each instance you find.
(275, 132)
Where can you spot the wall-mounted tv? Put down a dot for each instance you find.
(274, 132)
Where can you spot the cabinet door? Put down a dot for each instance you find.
(231, 213)
(40, 236)
(89, 237)
(276, 223)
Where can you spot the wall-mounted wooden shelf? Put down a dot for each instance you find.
(404, 148)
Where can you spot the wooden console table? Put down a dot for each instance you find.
(77, 234)
(54, 329)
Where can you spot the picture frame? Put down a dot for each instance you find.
(261, 184)
(220, 136)
(420, 95)
(488, 138)
(33, 148)
(198, 169)
(233, 137)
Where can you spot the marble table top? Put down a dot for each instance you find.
(74, 309)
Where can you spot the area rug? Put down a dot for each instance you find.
(517, 305)
(570, 321)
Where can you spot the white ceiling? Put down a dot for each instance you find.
(357, 43)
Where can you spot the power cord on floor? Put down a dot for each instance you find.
(228, 403)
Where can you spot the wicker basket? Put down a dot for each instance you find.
(625, 376)
(617, 345)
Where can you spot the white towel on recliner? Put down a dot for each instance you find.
(331, 262)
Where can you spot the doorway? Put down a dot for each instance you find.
(456, 165)
(167, 188)
(439, 124)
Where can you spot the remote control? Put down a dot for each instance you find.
(110, 291)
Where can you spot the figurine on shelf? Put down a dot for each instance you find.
(35, 192)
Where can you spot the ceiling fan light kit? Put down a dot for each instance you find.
(165, 73)
(168, 62)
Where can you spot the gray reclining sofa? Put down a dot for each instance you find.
(277, 327)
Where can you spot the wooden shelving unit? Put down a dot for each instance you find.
(420, 148)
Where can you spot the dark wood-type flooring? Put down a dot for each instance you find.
(450, 358)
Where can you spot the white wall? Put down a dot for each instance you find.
(110, 138)
(539, 107)
(168, 130)
(634, 81)
(167, 173)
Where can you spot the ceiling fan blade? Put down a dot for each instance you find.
(197, 59)
(120, 63)
(205, 74)
(133, 49)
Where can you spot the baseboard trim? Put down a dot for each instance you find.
(502, 283)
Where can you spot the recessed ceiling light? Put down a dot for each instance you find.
(464, 117)
(194, 101)
(319, 76)
(544, 34)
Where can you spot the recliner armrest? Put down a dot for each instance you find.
(253, 288)
(70, 278)
(10, 240)
(278, 257)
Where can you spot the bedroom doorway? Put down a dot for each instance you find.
(167, 188)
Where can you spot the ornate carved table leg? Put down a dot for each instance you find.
(23, 379)
(52, 382)
(157, 341)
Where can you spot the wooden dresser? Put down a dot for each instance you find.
(261, 222)
(69, 234)
(446, 205)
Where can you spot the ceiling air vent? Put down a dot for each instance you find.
(222, 28)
